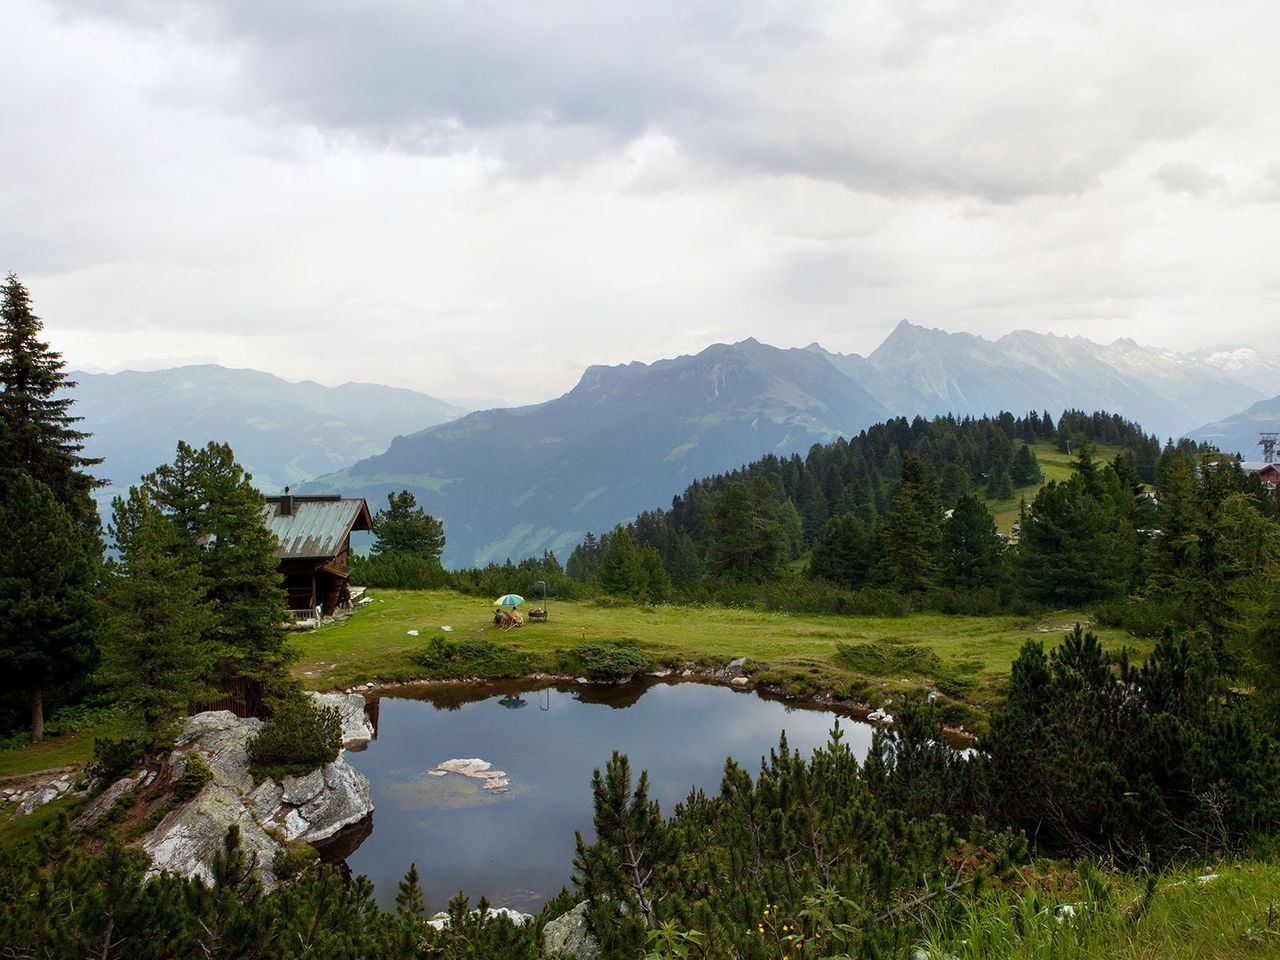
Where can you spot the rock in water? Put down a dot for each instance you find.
(495, 781)
(569, 935)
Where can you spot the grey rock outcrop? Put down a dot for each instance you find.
(356, 729)
(308, 809)
(569, 935)
(441, 920)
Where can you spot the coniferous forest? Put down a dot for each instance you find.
(1092, 759)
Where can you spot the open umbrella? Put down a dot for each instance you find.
(509, 600)
(514, 703)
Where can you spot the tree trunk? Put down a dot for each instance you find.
(37, 713)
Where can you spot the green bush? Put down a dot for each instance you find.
(112, 759)
(612, 662)
(447, 658)
(298, 738)
(885, 659)
(193, 779)
(400, 571)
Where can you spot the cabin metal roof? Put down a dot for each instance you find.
(317, 527)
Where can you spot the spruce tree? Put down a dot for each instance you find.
(843, 552)
(404, 527)
(155, 649)
(653, 575)
(620, 573)
(1026, 468)
(47, 627)
(38, 436)
(219, 516)
(913, 534)
(970, 547)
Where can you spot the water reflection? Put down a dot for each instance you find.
(517, 848)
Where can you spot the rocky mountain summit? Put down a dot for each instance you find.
(270, 815)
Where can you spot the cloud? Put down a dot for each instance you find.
(996, 100)
(1191, 179)
(383, 191)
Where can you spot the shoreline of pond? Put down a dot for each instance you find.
(631, 688)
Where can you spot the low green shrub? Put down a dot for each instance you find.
(299, 737)
(607, 662)
(193, 779)
(885, 659)
(446, 658)
(112, 759)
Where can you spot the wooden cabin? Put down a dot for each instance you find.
(314, 531)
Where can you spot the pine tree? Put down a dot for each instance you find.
(219, 516)
(404, 527)
(653, 576)
(47, 570)
(970, 547)
(913, 534)
(38, 436)
(843, 552)
(620, 573)
(410, 901)
(155, 649)
(1026, 468)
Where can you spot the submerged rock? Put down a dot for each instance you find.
(495, 781)
(569, 935)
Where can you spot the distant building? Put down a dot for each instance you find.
(1268, 473)
(314, 531)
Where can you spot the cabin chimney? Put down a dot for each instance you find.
(286, 504)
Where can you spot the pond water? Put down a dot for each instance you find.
(517, 848)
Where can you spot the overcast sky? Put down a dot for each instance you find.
(478, 199)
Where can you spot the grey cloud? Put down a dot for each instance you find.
(1192, 179)
(880, 97)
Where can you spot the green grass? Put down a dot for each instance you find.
(1055, 465)
(1234, 916)
(61, 750)
(798, 650)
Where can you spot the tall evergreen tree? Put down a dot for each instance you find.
(970, 547)
(843, 552)
(47, 627)
(912, 533)
(156, 652)
(620, 573)
(405, 527)
(38, 434)
(656, 584)
(219, 516)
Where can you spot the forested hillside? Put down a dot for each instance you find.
(905, 505)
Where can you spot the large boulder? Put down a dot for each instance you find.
(187, 839)
(568, 935)
(310, 808)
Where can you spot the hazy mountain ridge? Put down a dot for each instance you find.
(518, 481)
(1239, 432)
(283, 432)
(919, 370)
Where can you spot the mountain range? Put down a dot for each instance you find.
(918, 370)
(519, 481)
(283, 432)
(516, 481)
(1239, 433)
(509, 483)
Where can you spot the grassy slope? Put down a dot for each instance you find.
(375, 645)
(1055, 465)
(1236, 915)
